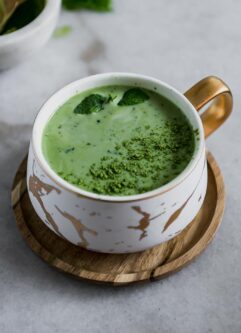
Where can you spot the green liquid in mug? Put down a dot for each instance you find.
(120, 150)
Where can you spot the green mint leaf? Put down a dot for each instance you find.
(110, 98)
(98, 5)
(92, 103)
(133, 96)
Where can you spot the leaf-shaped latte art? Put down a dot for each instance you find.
(7, 9)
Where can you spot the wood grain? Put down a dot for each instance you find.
(121, 269)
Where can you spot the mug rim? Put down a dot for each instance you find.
(38, 153)
(50, 8)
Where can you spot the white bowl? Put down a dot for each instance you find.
(17, 46)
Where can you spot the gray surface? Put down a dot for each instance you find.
(179, 42)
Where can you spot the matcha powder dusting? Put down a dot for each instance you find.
(142, 163)
(145, 161)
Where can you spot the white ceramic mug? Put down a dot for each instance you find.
(119, 224)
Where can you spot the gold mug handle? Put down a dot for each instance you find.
(206, 90)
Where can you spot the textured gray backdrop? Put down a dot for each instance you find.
(179, 42)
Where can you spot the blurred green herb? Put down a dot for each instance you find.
(63, 31)
(92, 104)
(133, 96)
(98, 5)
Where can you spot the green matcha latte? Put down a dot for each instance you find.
(118, 140)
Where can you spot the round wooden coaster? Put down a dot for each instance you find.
(121, 269)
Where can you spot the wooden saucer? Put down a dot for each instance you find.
(121, 269)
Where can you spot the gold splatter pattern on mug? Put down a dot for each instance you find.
(79, 227)
(144, 221)
(39, 189)
(176, 214)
